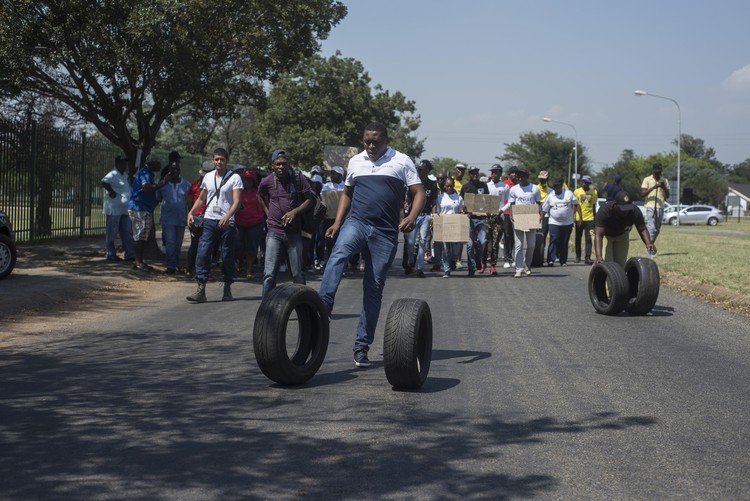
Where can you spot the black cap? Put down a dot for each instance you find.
(656, 167)
(497, 167)
(121, 158)
(424, 164)
(174, 156)
(623, 201)
(512, 169)
(523, 170)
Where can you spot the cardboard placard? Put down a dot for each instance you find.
(337, 155)
(331, 200)
(450, 228)
(481, 205)
(525, 217)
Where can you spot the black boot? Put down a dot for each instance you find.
(199, 296)
(227, 292)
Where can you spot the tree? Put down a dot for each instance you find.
(546, 151)
(329, 102)
(445, 164)
(740, 173)
(126, 66)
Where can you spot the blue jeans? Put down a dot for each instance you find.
(275, 245)
(450, 251)
(379, 249)
(119, 224)
(477, 240)
(559, 237)
(421, 230)
(210, 235)
(173, 236)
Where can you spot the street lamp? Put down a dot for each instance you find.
(575, 149)
(679, 138)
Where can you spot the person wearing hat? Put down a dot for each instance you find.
(524, 193)
(508, 236)
(495, 221)
(458, 176)
(173, 199)
(477, 224)
(337, 180)
(142, 205)
(560, 206)
(368, 221)
(614, 221)
(416, 239)
(250, 221)
(284, 196)
(221, 193)
(587, 197)
(544, 189)
(195, 232)
(116, 198)
(611, 189)
(654, 191)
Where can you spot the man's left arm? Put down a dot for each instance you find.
(418, 200)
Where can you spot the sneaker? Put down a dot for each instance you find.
(447, 274)
(360, 359)
(578, 260)
(506, 265)
(459, 264)
(493, 271)
(361, 266)
(420, 274)
(249, 276)
(551, 264)
(517, 275)
(588, 262)
(527, 271)
(481, 268)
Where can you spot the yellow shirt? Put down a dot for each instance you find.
(543, 190)
(457, 185)
(655, 199)
(587, 201)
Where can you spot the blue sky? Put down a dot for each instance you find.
(483, 72)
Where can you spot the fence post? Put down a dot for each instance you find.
(82, 199)
(32, 183)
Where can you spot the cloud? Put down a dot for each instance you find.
(739, 81)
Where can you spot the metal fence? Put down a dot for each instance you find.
(50, 180)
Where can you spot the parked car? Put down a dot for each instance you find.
(697, 214)
(7, 246)
(671, 211)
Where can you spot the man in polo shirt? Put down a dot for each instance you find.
(654, 191)
(373, 199)
(614, 221)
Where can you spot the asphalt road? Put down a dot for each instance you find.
(530, 394)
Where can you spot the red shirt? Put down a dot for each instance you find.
(194, 193)
(251, 213)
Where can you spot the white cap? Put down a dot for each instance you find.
(316, 179)
(338, 169)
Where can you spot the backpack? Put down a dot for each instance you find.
(312, 218)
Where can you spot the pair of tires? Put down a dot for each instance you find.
(291, 356)
(634, 288)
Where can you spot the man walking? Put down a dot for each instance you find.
(416, 240)
(373, 200)
(654, 191)
(116, 184)
(477, 224)
(587, 197)
(524, 193)
(174, 207)
(508, 234)
(221, 192)
(283, 196)
(141, 207)
(495, 221)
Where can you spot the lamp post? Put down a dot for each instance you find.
(575, 149)
(679, 138)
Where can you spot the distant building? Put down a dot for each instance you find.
(737, 199)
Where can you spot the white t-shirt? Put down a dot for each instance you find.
(331, 186)
(499, 189)
(117, 206)
(525, 195)
(220, 205)
(450, 204)
(560, 208)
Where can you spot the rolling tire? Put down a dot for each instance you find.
(407, 343)
(537, 260)
(643, 282)
(608, 288)
(270, 334)
(7, 256)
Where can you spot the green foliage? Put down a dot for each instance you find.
(126, 66)
(445, 164)
(740, 173)
(328, 102)
(548, 151)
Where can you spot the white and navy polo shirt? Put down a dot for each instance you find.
(379, 188)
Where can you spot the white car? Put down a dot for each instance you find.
(697, 214)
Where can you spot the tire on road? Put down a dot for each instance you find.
(407, 343)
(537, 260)
(7, 255)
(643, 282)
(270, 334)
(608, 288)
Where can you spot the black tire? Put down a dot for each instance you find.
(673, 221)
(270, 334)
(643, 282)
(407, 343)
(712, 221)
(7, 255)
(608, 288)
(537, 260)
